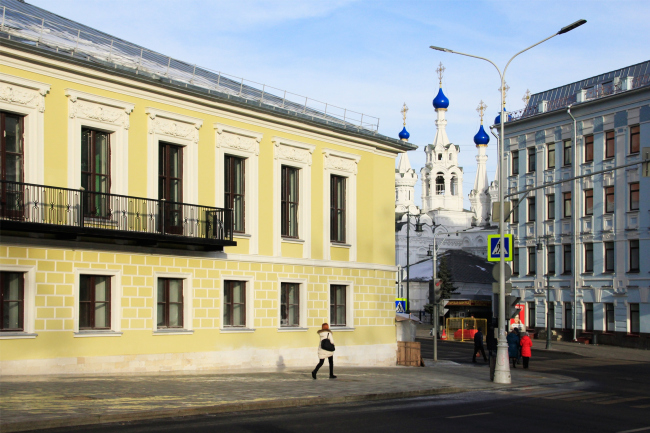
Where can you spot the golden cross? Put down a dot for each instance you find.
(404, 110)
(440, 71)
(526, 97)
(481, 109)
(505, 92)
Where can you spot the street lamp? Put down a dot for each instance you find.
(418, 228)
(502, 372)
(540, 247)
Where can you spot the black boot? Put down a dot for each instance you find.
(313, 374)
(332, 377)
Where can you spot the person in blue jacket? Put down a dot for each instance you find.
(513, 346)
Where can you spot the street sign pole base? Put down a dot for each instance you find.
(502, 370)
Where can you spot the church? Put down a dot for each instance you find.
(441, 212)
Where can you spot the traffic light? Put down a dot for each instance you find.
(435, 290)
(511, 306)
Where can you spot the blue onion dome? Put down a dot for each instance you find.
(497, 120)
(481, 138)
(404, 134)
(440, 100)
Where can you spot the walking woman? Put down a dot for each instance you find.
(526, 346)
(325, 334)
(513, 346)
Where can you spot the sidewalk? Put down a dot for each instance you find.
(58, 401)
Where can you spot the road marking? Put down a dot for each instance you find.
(644, 406)
(472, 414)
(560, 395)
(622, 400)
(586, 395)
(635, 430)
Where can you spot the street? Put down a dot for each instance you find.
(611, 396)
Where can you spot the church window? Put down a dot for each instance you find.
(450, 156)
(440, 157)
(454, 185)
(440, 184)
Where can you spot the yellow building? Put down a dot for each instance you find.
(159, 216)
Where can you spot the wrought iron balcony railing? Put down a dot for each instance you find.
(64, 211)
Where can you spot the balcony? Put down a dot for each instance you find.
(63, 213)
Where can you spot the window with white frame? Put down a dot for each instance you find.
(341, 302)
(173, 294)
(97, 309)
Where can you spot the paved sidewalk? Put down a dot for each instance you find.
(58, 401)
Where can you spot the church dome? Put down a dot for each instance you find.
(497, 120)
(481, 138)
(440, 101)
(404, 134)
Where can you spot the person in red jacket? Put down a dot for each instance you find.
(526, 346)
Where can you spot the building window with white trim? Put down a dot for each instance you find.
(170, 303)
(338, 305)
(95, 172)
(634, 256)
(531, 314)
(634, 196)
(12, 305)
(610, 322)
(290, 201)
(635, 319)
(551, 314)
(94, 302)
(290, 305)
(234, 190)
(568, 315)
(337, 209)
(609, 256)
(234, 303)
(589, 316)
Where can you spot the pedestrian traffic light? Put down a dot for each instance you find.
(511, 306)
(435, 290)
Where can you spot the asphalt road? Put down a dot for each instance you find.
(612, 396)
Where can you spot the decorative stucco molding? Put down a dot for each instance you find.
(293, 151)
(341, 161)
(230, 137)
(174, 125)
(20, 91)
(92, 107)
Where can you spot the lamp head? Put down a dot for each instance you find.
(441, 49)
(570, 27)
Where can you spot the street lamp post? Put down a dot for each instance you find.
(435, 311)
(502, 372)
(548, 292)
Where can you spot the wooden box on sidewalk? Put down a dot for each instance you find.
(408, 353)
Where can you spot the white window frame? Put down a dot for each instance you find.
(116, 303)
(349, 304)
(180, 130)
(250, 305)
(27, 98)
(97, 112)
(298, 155)
(241, 143)
(342, 164)
(29, 303)
(302, 323)
(188, 310)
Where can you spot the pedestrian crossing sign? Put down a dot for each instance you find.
(494, 253)
(400, 305)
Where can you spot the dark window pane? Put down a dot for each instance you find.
(610, 144)
(635, 139)
(170, 303)
(94, 302)
(589, 202)
(567, 152)
(551, 155)
(634, 196)
(634, 256)
(515, 162)
(589, 257)
(589, 148)
(609, 199)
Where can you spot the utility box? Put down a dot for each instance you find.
(408, 353)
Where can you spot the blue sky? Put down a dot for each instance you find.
(372, 56)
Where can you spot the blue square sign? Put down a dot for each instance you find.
(494, 251)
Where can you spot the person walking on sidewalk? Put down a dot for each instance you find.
(478, 346)
(526, 346)
(325, 334)
(513, 347)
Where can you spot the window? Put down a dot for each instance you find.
(11, 149)
(338, 305)
(532, 263)
(290, 203)
(515, 261)
(550, 209)
(337, 209)
(634, 196)
(12, 290)
(609, 256)
(170, 186)
(234, 190)
(95, 172)
(550, 260)
(515, 162)
(170, 303)
(440, 157)
(531, 160)
(550, 149)
(567, 258)
(589, 257)
(589, 316)
(589, 202)
(589, 148)
(567, 204)
(609, 199)
(634, 256)
(94, 302)
(635, 139)
(234, 303)
(635, 323)
(568, 315)
(551, 314)
(531, 209)
(610, 323)
(531, 314)
(515, 212)
(440, 184)
(610, 144)
(567, 152)
(290, 304)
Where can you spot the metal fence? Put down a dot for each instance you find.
(28, 203)
(463, 329)
(60, 35)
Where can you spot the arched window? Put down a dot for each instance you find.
(454, 185)
(440, 157)
(450, 156)
(440, 184)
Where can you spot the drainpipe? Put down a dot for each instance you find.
(575, 225)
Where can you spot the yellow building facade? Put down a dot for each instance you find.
(148, 226)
